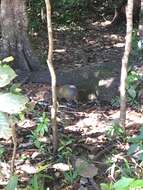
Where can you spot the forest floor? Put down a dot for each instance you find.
(85, 127)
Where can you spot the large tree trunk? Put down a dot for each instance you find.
(141, 25)
(15, 40)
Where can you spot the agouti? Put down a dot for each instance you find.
(68, 92)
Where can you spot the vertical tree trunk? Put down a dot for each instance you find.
(53, 77)
(15, 40)
(124, 69)
(141, 25)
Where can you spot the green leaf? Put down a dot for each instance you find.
(7, 74)
(12, 103)
(15, 89)
(5, 131)
(12, 184)
(123, 184)
(8, 59)
(35, 185)
(132, 92)
(140, 157)
(141, 131)
(137, 184)
(133, 148)
(106, 186)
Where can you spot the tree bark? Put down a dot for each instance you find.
(141, 25)
(53, 77)
(124, 69)
(15, 40)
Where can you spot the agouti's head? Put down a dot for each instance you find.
(68, 92)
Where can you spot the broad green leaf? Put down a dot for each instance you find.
(141, 131)
(106, 186)
(133, 148)
(137, 184)
(7, 74)
(123, 184)
(136, 140)
(132, 92)
(5, 131)
(12, 103)
(35, 182)
(8, 59)
(140, 157)
(12, 184)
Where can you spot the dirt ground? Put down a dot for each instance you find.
(90, 44)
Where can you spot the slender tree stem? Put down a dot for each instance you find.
(124, 69)
(53, 77)
(14, 148)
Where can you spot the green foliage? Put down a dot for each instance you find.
(7, 75)
(133, 83)
(15, 89)
(2, 151)
(36, 140)
(71, 176)
(35, 9)
(136, 52)
(39, 132)
(7, 60)
(42, 125)
(127, 169)
(133, 78)
(10, 103)
(120, 166)
(12, 184)
(128, 183)
(5, 131)
(36, 183)
(136, 146)
(64, 151)
(64, 12)
(124, 183)
(106, 186)
(132, 87)
(135, 40)
(68, 11)
(115, 102)
(115, 131)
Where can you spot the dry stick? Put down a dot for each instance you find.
(53, 77)
(14, 148)
(129, 28)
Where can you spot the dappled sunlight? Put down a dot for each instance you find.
(84, 146)
(93, 123)
(106, 83)
(120, 45)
